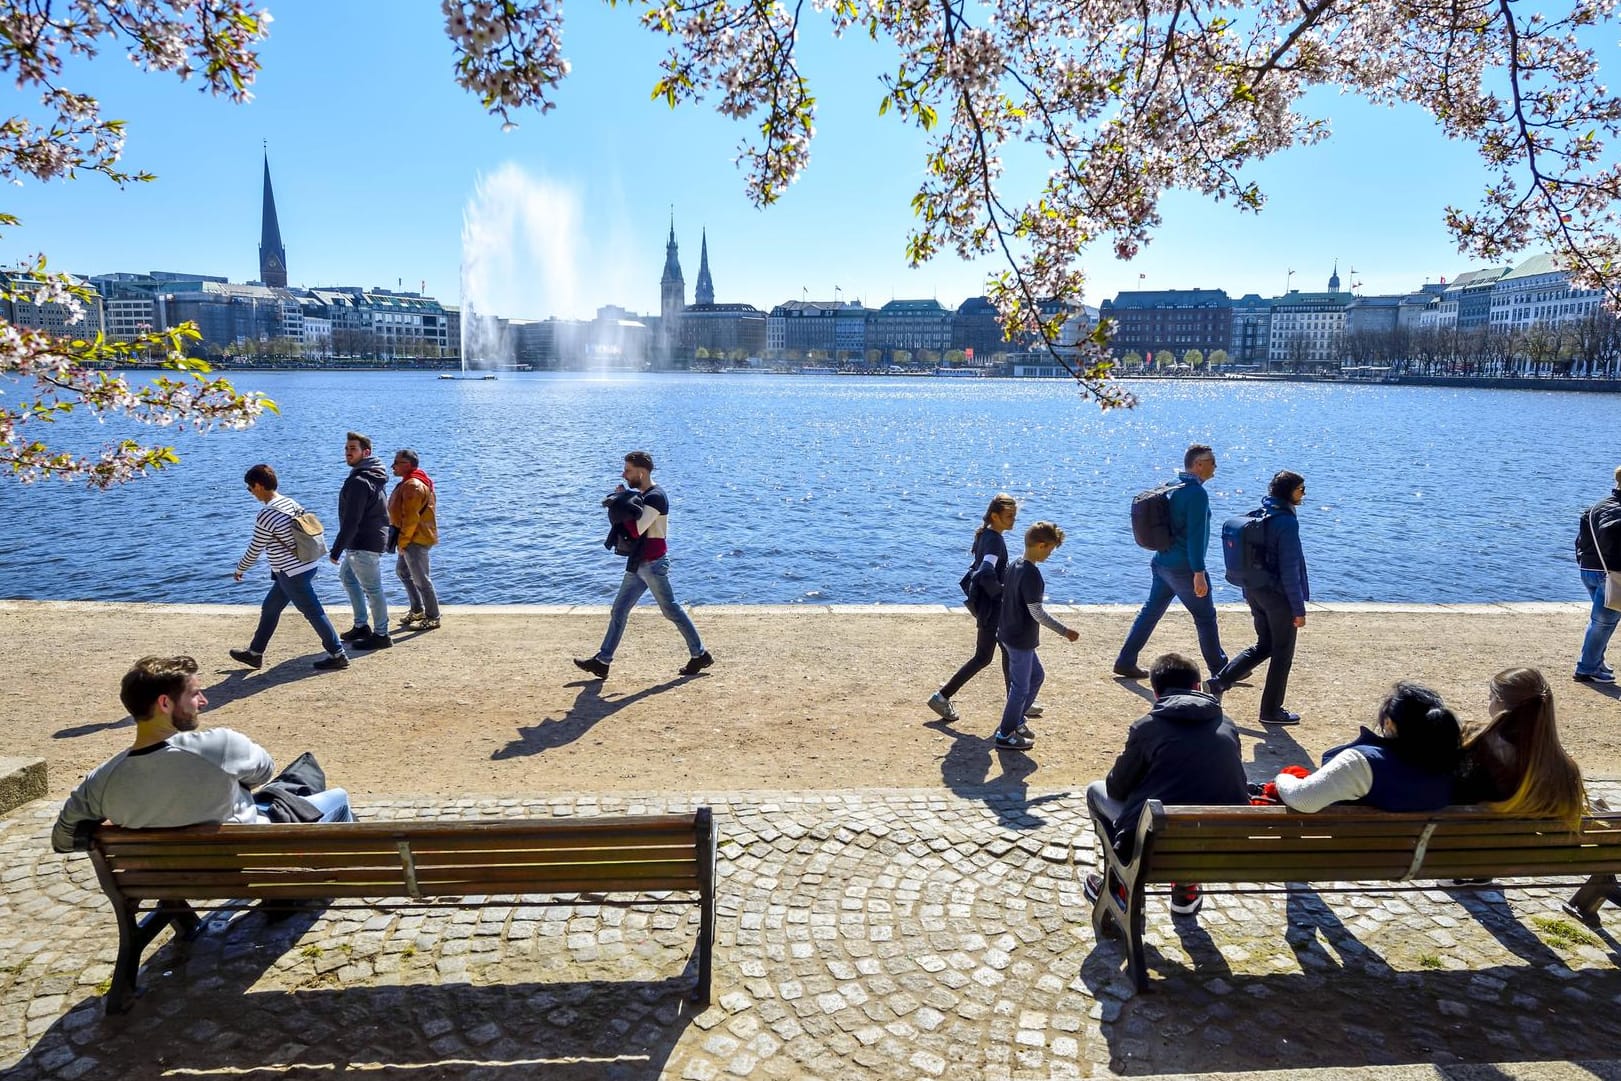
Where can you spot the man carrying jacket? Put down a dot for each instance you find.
(358, 547)
(1598, 547)
(413, 529)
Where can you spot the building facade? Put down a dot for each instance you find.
(1535, 292)
(913, 326)
(1170, 321)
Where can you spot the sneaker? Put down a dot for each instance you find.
(1130, 671)
(943, 708)
(374, 641)
(333, 662)
(426, 624)
(1594, 677)
(415, 615)
(1012, 741)
(356, 633)
(1093, 886)
(1215, 688)
(1186, 899)
(1281, 716)
(1024, 731)
(1036, 710)
(592, 665)
(693, 666)
(248, 657)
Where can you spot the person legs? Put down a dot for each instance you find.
(402, 571)
(1203, 611)
(415, 556)
(362, 576)
(300, 590)
(631, 588)
(1248, 659)
(657, 576)
(1159, 599)
(333, 805)
(984, 650)
(269, 615)
(1025, 676)
(1282, 623)
(1601, 626)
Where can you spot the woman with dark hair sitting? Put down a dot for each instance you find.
(1515, 763)
(1407, 765)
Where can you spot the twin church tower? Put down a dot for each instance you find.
(673, 291)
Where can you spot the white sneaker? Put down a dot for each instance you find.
(1036, 709)
(943, 707)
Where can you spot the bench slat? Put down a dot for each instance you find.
(385, 897)
(536, 875)
(185, 857)
(360, 839)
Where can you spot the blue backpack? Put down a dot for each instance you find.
(1243, 549)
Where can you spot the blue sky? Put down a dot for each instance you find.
(376, 155)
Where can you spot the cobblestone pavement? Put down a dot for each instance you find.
(902, 934)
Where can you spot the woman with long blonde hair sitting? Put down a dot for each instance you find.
(1515, 763)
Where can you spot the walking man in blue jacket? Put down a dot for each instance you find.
(1179, 571)
(1277, 603)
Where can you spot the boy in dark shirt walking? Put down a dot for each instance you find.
(1019, 632)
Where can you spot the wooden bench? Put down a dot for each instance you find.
(426, 863)
(1228, 845)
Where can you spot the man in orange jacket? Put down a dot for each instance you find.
(413, 530)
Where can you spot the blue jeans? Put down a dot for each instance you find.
(1600, 626)
(333, 805)
(653, 576)
(299, 591)
(1178, 584)
(1024, 678)
(362, 576)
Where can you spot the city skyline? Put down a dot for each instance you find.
(375, 154)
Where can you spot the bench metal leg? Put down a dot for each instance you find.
(1590, 898)
(133, 939)
(707, 844)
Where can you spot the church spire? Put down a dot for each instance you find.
(272, 256)
(1334, 279)
(704, 292)
(672, 261)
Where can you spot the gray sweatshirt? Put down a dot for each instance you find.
(188, 779)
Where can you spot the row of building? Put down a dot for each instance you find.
(272, 319)
(1313, 328)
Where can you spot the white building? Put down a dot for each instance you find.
(1537, 291)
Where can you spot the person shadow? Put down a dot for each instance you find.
(966, 770)
(236, 684)
(589, 707)
(1609, 690)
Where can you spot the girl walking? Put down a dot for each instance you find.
(984, 600)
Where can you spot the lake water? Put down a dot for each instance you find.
(850, 490)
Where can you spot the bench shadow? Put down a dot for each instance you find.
(203, 1018)
(1345, 1007)
(966, 770)
(589, 707)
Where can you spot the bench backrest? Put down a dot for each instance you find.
(1276, 844)
(418, 860)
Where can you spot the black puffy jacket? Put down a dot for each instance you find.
(1607, 515)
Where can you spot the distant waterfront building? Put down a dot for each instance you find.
(1308, 328)
(1170, 320)
(53, 318)
(835, 329)
(228, 313)
(1537, 291)
(1466, 302)
(453, 330)
(1418, 310)
(272, 256)
(1373, 315)
(1252, 330)
(721, 330)
(914, 326)
(976, 326)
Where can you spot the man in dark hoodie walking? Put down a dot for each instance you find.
(358, 547)
(1182, 751)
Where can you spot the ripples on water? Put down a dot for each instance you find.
(850, 490)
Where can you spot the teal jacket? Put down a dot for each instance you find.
(1190, 526)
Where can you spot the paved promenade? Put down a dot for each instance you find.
(861, 935)
(933, 928)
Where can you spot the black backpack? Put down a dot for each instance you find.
(1243, 549)
(1151, 517)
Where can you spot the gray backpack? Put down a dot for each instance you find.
(309, 536)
